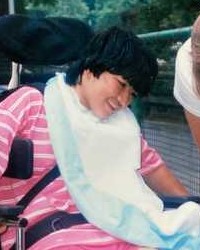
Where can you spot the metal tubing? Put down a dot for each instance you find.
(20, 225)
(179, 33)
(11, 6)
(20, 238)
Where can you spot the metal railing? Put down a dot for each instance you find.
(179, 33)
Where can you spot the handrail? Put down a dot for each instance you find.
(179, 33)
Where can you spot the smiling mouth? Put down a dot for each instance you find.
(114, 104)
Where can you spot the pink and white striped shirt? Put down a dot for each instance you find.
(22, 114)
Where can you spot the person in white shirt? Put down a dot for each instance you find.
(187, 80)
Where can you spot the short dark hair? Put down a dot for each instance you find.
(122, 53)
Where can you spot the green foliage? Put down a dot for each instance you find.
(39, 2)
(109, 13)
(141, 15)
(69, 8)
(145, 15)
(161, 14)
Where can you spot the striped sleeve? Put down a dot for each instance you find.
(7, 132)
(22, 114)
(150, 158)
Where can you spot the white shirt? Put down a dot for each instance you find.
(184, 80)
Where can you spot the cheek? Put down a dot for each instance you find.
(99, 106)
(100, 94)
(98, 102)
(127, 96)
(95, 100)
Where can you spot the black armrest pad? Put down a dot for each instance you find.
(10, 210)
(20, 163)
(176, 201)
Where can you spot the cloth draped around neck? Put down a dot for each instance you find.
(98, 160)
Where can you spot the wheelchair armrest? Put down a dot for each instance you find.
(9, 216)
(10, 210)
(176, 201)
(20, 164)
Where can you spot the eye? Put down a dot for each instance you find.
(123, 84)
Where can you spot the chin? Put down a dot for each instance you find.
(102, 116)
(105, 116)
(103, 113)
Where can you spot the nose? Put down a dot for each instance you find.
(125, 97)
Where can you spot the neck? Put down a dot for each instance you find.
(80, 93)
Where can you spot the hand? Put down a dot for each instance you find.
(3, 228)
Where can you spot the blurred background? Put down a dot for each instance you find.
(164, 26)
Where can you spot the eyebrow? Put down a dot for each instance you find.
(122, 81)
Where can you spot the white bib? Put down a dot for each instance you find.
(110, 150)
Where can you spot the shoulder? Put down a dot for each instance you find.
(185, 49)
(183, 66)
(26, 93)
(21, 97)
(184, 80)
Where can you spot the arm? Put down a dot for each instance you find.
(194, 124)
(162, 181)
(157, 176)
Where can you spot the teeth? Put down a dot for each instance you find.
(113, 104)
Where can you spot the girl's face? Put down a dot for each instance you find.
(104, 95)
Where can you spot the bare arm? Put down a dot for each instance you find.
(194, 124)
(162, 181)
